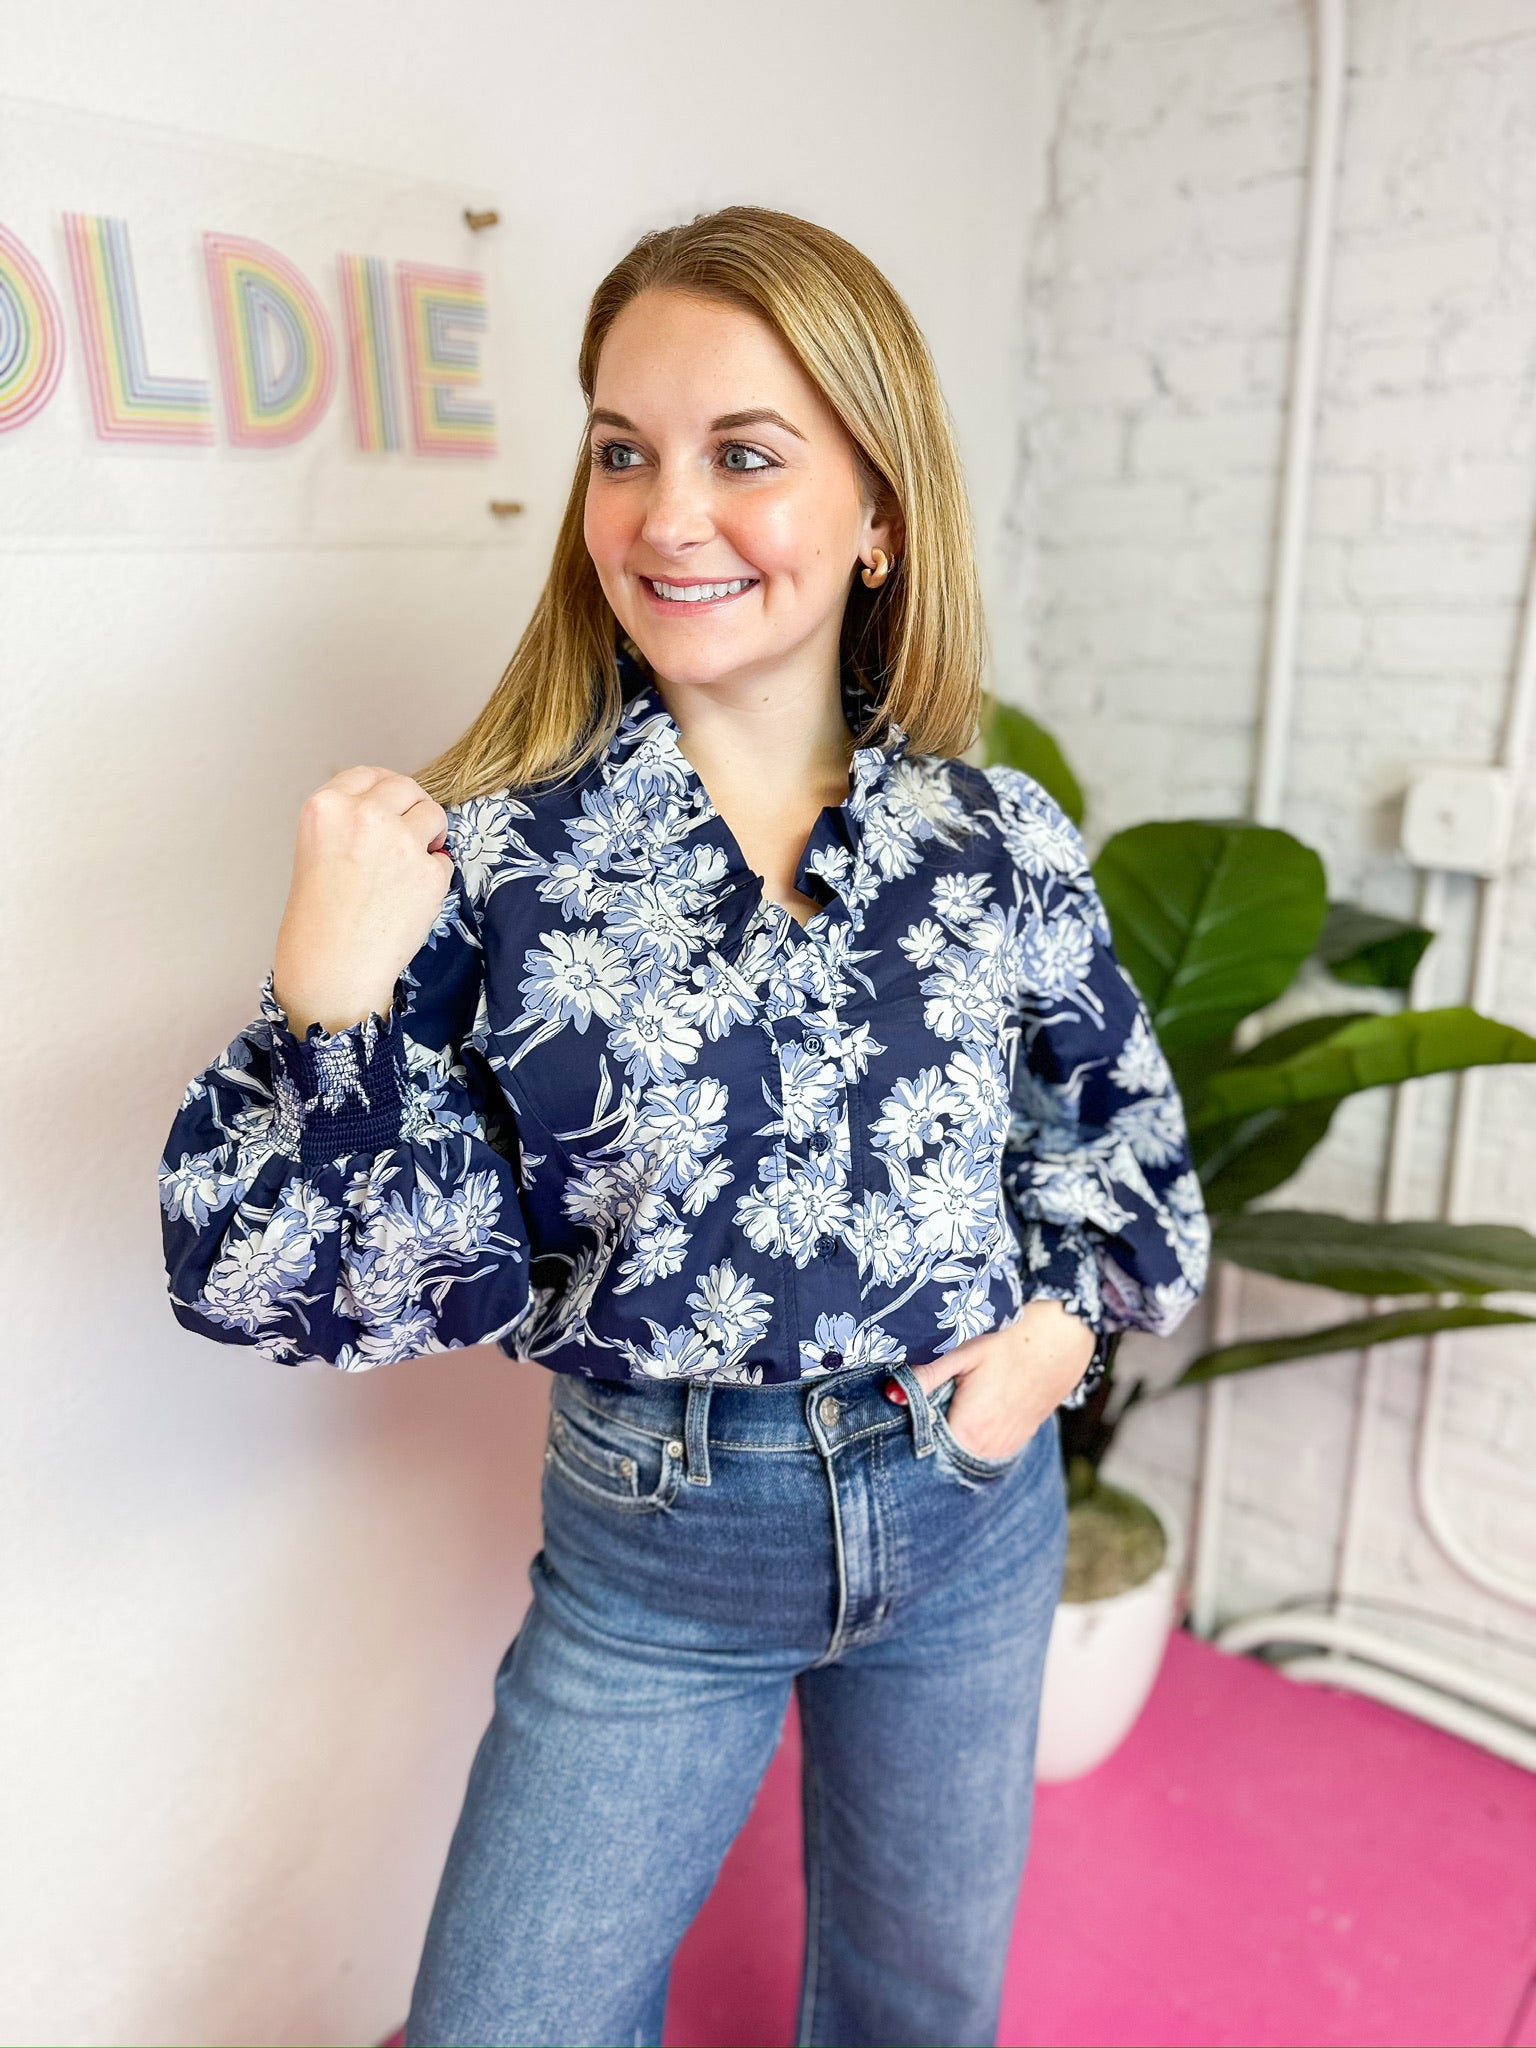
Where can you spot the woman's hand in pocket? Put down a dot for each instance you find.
(1008, 1381)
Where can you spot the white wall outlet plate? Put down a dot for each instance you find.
(1458, 820)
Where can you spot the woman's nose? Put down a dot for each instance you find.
(678, 513)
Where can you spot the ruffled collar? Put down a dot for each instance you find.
(648, 739)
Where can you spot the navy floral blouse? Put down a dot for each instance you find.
(627, 1117)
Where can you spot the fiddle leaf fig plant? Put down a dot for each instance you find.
(1373, 951)
(1214, 920)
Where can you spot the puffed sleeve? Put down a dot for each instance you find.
(353, 1197)
(1096, 1165)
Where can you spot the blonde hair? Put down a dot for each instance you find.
(916, 646)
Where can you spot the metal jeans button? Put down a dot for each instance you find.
(829, 1409)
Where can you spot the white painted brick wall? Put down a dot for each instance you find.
(1158, 320)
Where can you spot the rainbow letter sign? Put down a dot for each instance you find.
(31, 336)
(442, 311)
(370, 351)
(274, 342)
(127, 402)
(277, 361)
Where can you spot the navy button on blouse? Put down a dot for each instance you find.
(628, 1117)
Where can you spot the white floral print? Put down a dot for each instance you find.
(626, 1116)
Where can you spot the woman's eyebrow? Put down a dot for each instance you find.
(763, 415)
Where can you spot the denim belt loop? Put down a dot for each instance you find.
(696, 1433)
(917, 1408)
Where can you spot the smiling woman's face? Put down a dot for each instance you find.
(716, 461)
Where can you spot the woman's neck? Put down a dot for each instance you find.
(765, 746)
(771, 759)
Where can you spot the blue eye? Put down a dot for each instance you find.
(606, 457)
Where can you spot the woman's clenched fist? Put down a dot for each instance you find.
(369, 879)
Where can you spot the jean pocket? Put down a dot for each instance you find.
(960, 1454)
(608, 1461)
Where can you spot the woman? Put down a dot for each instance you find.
(700, 1026)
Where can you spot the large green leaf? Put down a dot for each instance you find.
(1359, 1052)
(1211, 919)
(1194, 1069)
(1354, 1336)
(1244, 1157)
(1380, 1258)
(1372, 951)
(1290, 1040)
(1012, 737)
(1193, 1066)
(1294, 1038)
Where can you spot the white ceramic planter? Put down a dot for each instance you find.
(1103, 1658)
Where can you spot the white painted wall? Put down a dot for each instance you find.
(1163, 274)
(251, 1615)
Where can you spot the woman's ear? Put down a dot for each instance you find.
(884, 527)
(888, 530)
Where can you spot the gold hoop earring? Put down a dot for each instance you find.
(878, 570)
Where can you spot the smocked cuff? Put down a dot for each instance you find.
(341, 1093)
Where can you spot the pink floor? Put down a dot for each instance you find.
(1263, 1862)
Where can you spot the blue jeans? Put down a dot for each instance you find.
(706, 1548)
